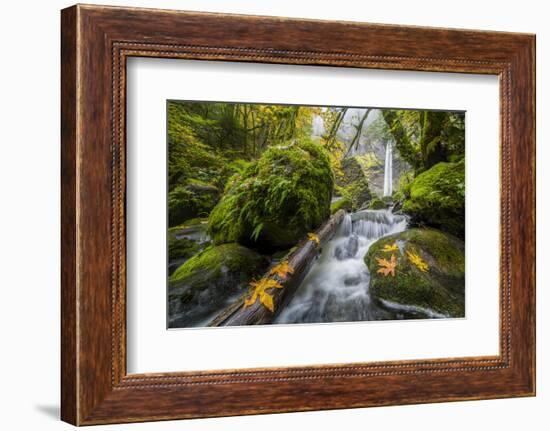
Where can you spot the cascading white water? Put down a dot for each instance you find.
(336, 289)
(388, 170)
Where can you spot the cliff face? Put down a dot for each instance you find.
(371, 166)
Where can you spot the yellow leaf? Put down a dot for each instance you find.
(248, 302)
(314, 238)
(259, 291)
(267, 300)
(387, 267)
(389, 248)
(282, 269)
(417, 261)
(265, 283)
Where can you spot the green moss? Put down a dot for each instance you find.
(216, 261)
(188, 224)
(193, 199)
(377, 204)
(186, 240)
(360, 193)
(436, 198)
(182, 248)
(210, 281)
(404, 187)
(441, 288)
(354, 184)
(190, 156)
(341, 204)
(224, 224)
(368, 161)
(276, 200)
(446, 250)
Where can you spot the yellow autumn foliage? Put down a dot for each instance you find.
(390, 248)
(259, 292)
(313, 237)
(282, 269)
(417, 261)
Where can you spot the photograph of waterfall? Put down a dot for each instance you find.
(285, 214)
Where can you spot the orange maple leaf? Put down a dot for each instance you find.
(282, 269)
(387, 267)
(314, 238)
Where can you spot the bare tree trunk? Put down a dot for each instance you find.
(358, 131)
(335, 126)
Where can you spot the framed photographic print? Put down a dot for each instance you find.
(252, 205)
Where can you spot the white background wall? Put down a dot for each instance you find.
(29, 215)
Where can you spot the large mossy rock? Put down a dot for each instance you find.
(373, 169)
(193, 199)
(439, 288)
(207, 282)
(436, 198)
(354, 183)
(344, 203)
(372, 164)
(186, 240)
(377, 204)
(277, 200)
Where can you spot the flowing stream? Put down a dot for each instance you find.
(336, 289)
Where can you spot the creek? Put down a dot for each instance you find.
(336, 288)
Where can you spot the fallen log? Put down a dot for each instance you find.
(300, 259)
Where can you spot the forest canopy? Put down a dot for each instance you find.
(209, 142)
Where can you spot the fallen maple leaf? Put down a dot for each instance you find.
(387, 267)
(314, 238)
(389, 248)
(260, 288)
(267, 300)
(417, 261)
(282, 269)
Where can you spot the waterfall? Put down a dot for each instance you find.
(388, 170)
(346, 226)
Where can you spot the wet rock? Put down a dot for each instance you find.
(355, 182)
(342, 203)
(437, 198)
(352, 280)
(209, 280)
(184, 241)
(347, 250)
(192, 199)
(435, 282)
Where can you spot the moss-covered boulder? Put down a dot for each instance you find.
(179, 251)
(186, 240)
(373, 169)
(355, 182)
(429, 271)
(277, 200)
(195, 198)
(377, 204)
(344, 203)
(209, 281)
(436, 198)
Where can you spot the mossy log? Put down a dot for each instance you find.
(300, 259)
